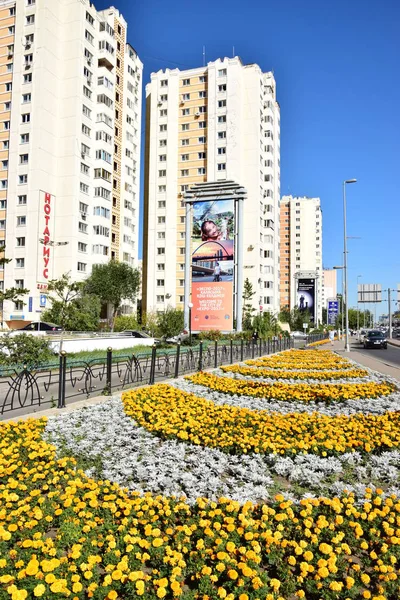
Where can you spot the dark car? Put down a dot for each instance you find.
(375, 339)
(40, 326)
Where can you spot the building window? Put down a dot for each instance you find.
(163, 143)
(26, 98)
(202, 155)
(221, 72)
(18, 305)
(30, 19)
(160, 250)
(185, 156)
(26, 118)
(4, 184)
(185, 142)
(22, 200)
(23, 179)
(202, 124)
(164, 83)
(89, 18)
(185, 127)
(185, 112)
(202, 94)
(162, 188)
(163, 128)
(162, 173)
(163, 98)
(222, 150)
(184, 172)
(160, 267)
(221, 103)
(222, 87)
(19, 284)
(20, 263)
(82, 267)
(202, 109)
(23, 159)
(20, 242)
(201, 171)
(160, 282)
(185, 97)
(162, 158)
(202, 140)
(6, 125)
(161, 204)
(221, 135)
(161, 220)
(28, 78)
(160, 299)
(186, 82)
(222, 119)
(221, 167)
(82, 247)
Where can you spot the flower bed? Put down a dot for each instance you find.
(64, 534)
(68, 528)
(301, 375)
(304, 392)
(170, 413)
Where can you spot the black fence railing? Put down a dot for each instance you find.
(29, 390)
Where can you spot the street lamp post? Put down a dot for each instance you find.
(358, 307)
(346, 346)
(190, 306)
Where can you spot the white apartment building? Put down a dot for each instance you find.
(70, 113)
(215, 123)
(302, 231)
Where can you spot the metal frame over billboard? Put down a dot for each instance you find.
(369, 292)
(213, 265)
(214, 256)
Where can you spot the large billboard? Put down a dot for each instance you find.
(213, 260)
(333, 311)
(306, 297)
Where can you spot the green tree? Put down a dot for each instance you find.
(81, 314)
(123, 322)
(248, 309)
(170, 322)
(63, 292)
(150, 322)
(13, 294)
(266, 324)
(113, 283)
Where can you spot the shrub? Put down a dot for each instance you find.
(210, 335)
(25, 349)
(126, 322)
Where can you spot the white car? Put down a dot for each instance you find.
(299, 335)
(183, 335)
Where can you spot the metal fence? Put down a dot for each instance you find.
(32, 389)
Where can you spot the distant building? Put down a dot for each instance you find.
(301, 245)
(329, 287)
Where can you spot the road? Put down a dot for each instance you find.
(391, 356)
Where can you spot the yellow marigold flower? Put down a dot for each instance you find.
(77, 587)
(232, 574)
(323, 572)
(39, 590)
(365, 579)
(112, 595)
(221, 592)
(161, 592)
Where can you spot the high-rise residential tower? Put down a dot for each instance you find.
(70, 111)
(301, 246)
(211, 124)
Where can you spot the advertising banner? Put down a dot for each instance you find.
(46, 235)
(369, 292)
(306, 297)
(333, 311)
(213, 265)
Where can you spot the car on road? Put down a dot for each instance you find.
(375, 339)
(361, 334)
(183, 335)
(298, 335)
(37, 326)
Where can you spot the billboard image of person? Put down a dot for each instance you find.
(306, 297)
(213, 265)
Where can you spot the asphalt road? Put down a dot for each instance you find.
(391, 356)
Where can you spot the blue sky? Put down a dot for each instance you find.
(337, 71)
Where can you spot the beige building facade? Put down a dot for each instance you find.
(216, 123)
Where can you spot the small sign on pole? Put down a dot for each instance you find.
(305, 325)
(30, 304)
(43, 299)
(261, 308)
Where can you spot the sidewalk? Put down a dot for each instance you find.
(371, 361)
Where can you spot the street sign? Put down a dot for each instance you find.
(369, 292)
(305, 325)
(30, 304)
(43, 299)
(42, 286)
(261, 308)
(38, 310)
